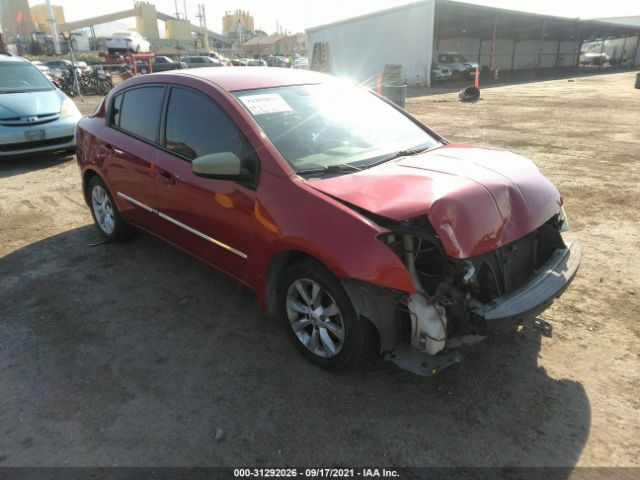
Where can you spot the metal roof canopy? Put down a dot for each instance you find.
(456, 19)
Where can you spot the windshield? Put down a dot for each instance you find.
(459, 59)
(317, 126)
(18, 77)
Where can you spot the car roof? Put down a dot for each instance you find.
(234, 78)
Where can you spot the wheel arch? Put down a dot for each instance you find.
(280, 262)
(373, 303)
(87, 175)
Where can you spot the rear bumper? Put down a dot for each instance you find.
(524, 304)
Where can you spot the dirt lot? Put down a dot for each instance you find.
(136, 354)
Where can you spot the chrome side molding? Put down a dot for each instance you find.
(182, 225)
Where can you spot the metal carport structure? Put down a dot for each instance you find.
(498, 39)
(512, 40)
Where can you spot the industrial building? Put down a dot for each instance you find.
(15, 19)
(40, 17)
(497, 39)
(237, 23)
(21, 25)
(275, 44)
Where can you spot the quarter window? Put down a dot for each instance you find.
(115, 110)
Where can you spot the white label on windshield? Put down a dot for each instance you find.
(266, 103)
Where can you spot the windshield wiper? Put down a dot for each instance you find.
(402, 153)
(340, 167)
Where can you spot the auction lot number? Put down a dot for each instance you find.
(315, 472)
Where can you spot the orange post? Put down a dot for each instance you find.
(477, 82)
(379, 84)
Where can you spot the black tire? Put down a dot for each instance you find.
(103, 87)
(455, 75)
(121, 230)
(360, 336)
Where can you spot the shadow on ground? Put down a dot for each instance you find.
(137, 354)
(17, 166)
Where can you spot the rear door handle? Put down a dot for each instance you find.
(112, 150)
(166, 177)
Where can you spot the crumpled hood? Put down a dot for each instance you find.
(476, 199)
(30, 104)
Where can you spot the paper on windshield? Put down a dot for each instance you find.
(265, 103)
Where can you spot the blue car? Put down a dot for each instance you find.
(35, 117)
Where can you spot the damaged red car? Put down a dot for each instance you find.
(362, 228)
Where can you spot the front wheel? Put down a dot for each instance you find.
(105, 213)
(322, 322)
(455, 75)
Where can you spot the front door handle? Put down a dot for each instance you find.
(166, 177)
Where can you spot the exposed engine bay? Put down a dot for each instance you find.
(455, 298)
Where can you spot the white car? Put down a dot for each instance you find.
(301, 62)
(440, 73)
(460, 67)
(41, 66)
(128, 42)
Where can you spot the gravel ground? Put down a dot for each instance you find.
(137, 354)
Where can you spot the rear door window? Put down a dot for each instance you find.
(139, 112)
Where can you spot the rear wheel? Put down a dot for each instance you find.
(105, 214)
(322, 322)
(455, 75)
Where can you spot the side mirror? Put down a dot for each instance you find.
(223, 165)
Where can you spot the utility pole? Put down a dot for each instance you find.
(202, 16)
(175, 3)
(76, 83)
(54, 28)
(184, 4)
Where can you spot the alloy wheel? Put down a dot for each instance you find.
(103, 209)
(315, 318)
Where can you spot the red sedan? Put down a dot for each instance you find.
(363, 229)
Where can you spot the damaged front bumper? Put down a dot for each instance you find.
(515, 308)
(503, 314)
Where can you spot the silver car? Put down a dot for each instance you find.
(35, 116)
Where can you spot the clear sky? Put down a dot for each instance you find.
(296, 15)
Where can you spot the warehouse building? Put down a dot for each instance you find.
(497, 39)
